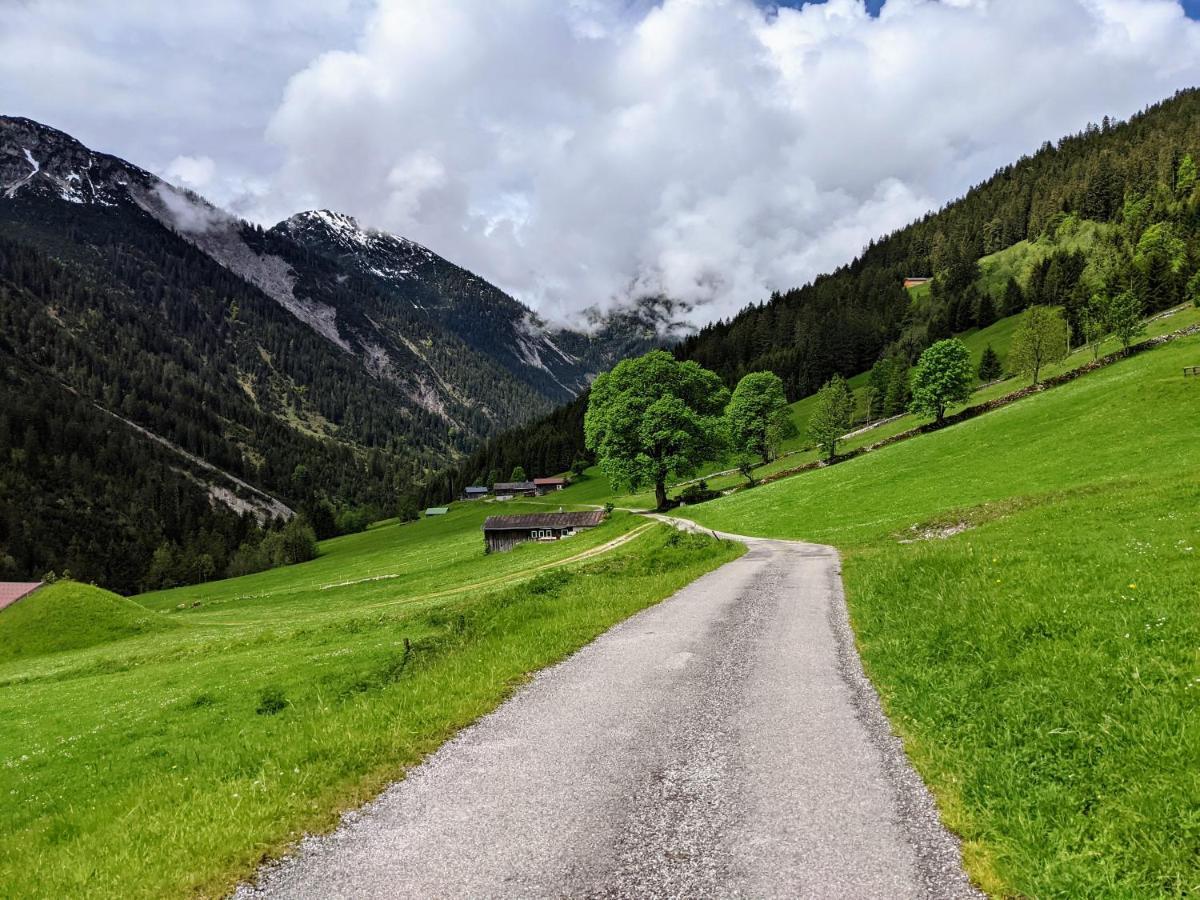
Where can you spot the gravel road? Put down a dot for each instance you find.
(724, 743)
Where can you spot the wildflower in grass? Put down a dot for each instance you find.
(1132, 586)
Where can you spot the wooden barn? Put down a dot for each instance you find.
(546, 485)
(475, 492)
(504, 489)
(502, 533)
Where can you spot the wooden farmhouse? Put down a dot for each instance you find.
(547, 485)
(475, 492)
(509, 489)
(502, 533)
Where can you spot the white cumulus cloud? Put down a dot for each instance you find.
(712, 150)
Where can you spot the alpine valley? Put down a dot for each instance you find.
(173, 378)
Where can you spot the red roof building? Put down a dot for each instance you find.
(12, 591)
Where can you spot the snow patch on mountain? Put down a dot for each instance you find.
(11, 190)
(220, 236)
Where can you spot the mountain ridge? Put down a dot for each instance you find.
(313, 362)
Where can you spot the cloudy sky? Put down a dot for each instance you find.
(577, 152)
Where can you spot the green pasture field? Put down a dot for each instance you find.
(190, 737)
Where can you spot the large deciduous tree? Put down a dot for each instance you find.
(654, 418)
(758, 416)
(830, 417)
(1042, 337)
(943, 376)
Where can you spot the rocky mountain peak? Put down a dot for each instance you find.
(40, 159)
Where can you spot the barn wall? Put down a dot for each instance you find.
(501, 541)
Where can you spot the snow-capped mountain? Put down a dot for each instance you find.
(484, 317)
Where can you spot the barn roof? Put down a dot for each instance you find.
(540, 481)
(436, 511)
(513, 486)
(587, 519)
(12, 591)
(475, 489)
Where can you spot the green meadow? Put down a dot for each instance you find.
(1025, 590)
(165, 745)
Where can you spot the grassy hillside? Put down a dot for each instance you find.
(799, 451)
(71, 616)
(168, 762)
(1023, 589)
(1019, 259)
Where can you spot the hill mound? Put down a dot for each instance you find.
(70, 616)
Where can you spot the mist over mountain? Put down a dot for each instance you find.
(232, 356)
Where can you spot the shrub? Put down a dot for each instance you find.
(697, 492)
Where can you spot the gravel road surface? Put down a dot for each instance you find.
(724, 743)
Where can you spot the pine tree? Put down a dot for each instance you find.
(985, 313)
(989, 365)
(1014, 297)
(899, 388)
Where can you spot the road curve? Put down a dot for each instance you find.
(724, 743)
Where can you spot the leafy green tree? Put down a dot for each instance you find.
(989, 365)
(746, 469)
(579, 465)
(407, 509)
(943, 376)
(1124, 318)
(653, 418)
(493, 477)
(1042, 337)
(296, 543)
(323, 519)
(1193, 289)
(164, 566)
(758, 416)
(1094, 323)
(518, 474)
(830, 417)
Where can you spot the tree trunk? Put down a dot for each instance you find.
(660, 493)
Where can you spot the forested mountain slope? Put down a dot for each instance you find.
(1113, 208)
(166, 366)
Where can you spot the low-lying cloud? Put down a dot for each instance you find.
(710, 150)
